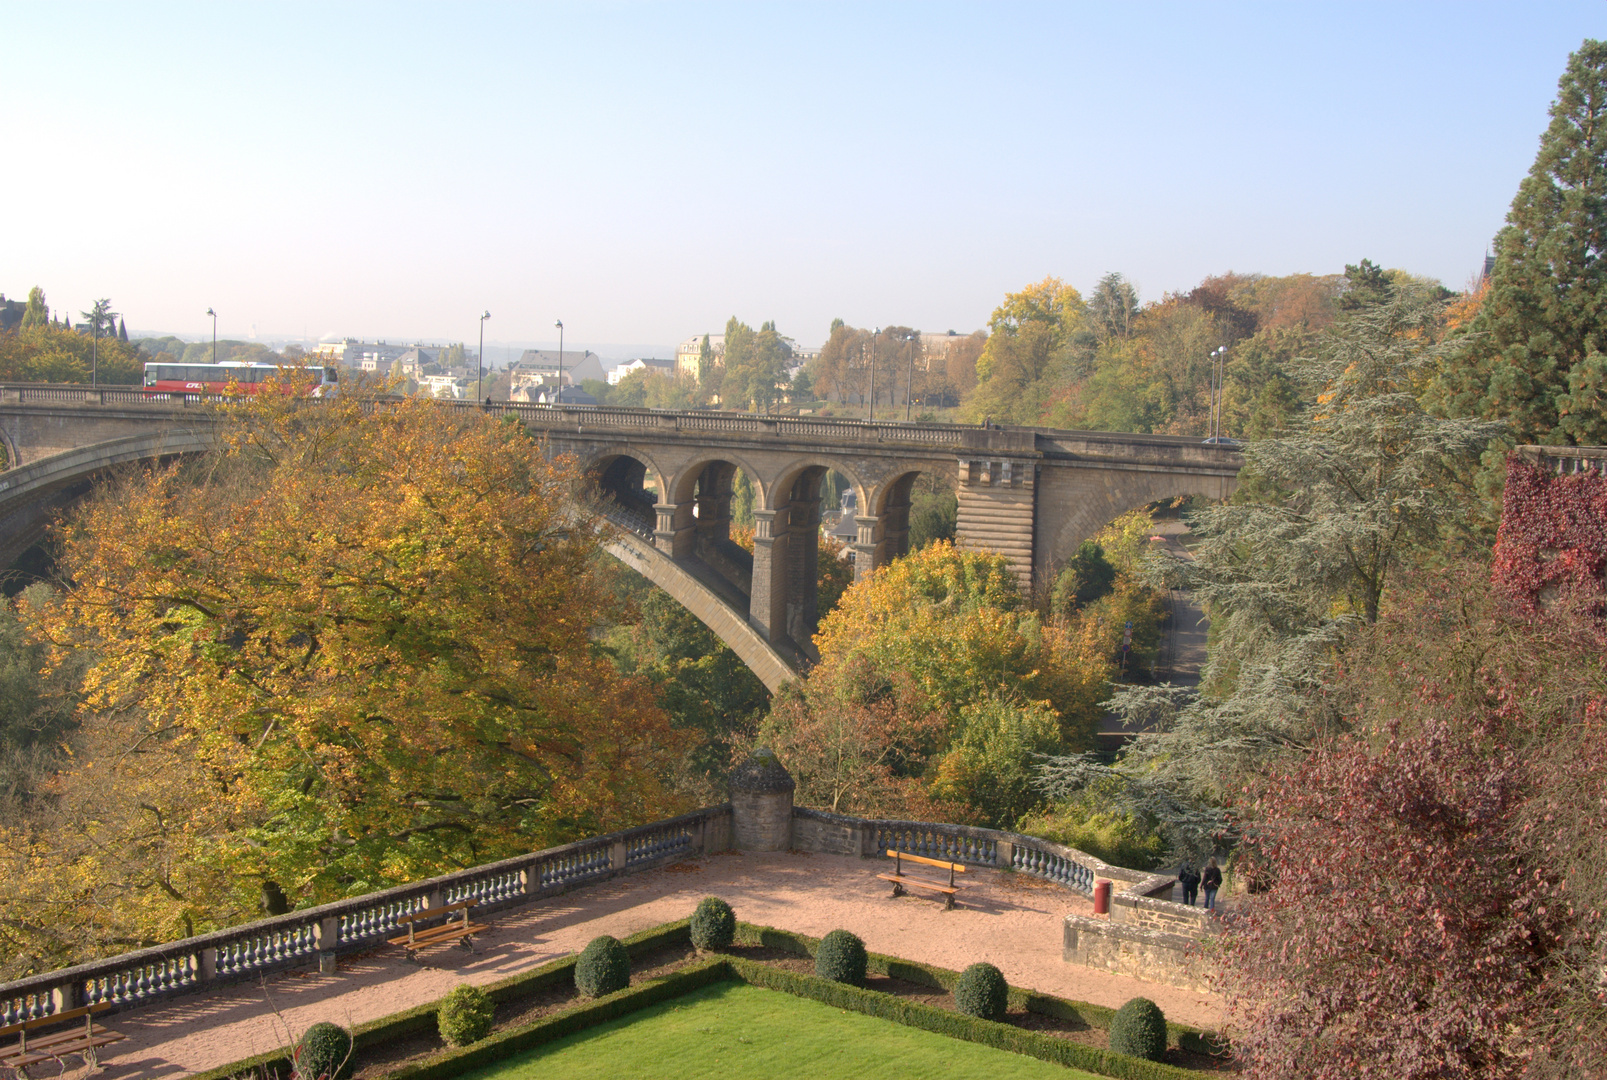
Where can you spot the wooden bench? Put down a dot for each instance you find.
(460, 931)
(83, 1041)
(900, 879)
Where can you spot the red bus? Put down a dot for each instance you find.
(215, 378)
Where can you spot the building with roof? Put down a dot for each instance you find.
(644, 363)
(688, 352)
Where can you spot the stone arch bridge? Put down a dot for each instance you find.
(1029, 494)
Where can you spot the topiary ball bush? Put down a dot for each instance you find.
(466, 1016)
(324, 1050)
(604, 966)
(1139, 1029)
(841, 958)
(714, 924)
(981, 991)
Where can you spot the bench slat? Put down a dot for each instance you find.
(939, 863)
(920, 882)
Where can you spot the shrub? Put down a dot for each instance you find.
(841, 958)
(604, 966)
(981, 991)
(714, 924)
(1139, 1029)
(465, 1016)
(324, 1050)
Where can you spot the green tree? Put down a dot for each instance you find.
(1113, 307)
(1365, 486)
(1535, 355)
(708, 372)
(1086, 577)
(37, 314)
(702, 685)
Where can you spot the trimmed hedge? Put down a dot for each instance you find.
(713, 924)
(604, 967)
(981, 991)
(325, 1052)
(465, 1016)
(1139, 1029)
(841, 957)
(1189, 1038)
(694, 976)
(956, 1025)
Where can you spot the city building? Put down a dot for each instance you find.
(535, 365)
(688, 352)
(645, 363)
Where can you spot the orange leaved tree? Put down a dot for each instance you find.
(346, 649)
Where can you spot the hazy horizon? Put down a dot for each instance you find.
(644, 172)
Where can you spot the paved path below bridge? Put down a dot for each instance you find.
(1011, 920)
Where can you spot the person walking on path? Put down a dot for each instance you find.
(1212, 882)
(1190, 879)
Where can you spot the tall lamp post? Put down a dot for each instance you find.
(1218, 360)
(214, 315)
(909, 382)
(479, 380)
(870, 416)
(560, 325)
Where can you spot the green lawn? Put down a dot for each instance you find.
(735, 1031)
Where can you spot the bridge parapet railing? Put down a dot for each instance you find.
(320, 933)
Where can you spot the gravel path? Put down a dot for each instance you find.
(1009, 919)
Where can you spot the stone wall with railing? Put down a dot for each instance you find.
(318, 935)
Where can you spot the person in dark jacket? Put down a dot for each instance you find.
(1190, 879)
(1212, 882)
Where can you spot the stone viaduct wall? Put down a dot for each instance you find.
(1029, 494)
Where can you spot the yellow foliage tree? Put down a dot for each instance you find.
(347, 649)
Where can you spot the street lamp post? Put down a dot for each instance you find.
(560, 325)
(909, 382)
(871, 414)
(1218, 361)
(214, 315)
(479, 380)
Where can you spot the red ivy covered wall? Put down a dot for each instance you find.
(1553, 536)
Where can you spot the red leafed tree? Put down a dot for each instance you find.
(1553, 539)
(1401, 934)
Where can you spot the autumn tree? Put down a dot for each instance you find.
(1461, 820)
(1034, 343)
(348, 648)
(1535, 355)
(940, 645)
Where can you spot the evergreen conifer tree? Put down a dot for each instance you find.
(1535, 356)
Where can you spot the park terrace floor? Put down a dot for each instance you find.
(1009, 919)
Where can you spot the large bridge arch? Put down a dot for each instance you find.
(32, 495)
(1072, 508)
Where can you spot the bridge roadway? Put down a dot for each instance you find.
(1030, 494)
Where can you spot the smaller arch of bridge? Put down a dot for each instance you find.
(602, 456)
(683, 482)
(781, 484)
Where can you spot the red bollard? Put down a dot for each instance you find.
(1101, 896)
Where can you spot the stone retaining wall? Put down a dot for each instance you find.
(1126, 949)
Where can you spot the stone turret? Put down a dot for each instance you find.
(761, 804)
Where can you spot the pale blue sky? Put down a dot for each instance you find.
(644, 171)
